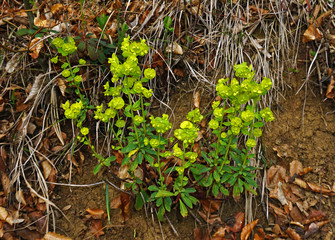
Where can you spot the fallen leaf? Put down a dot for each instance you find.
(221, 232)
(313, 32)
(295, 168)
(210, 219)
(12, 63)
(27, 234)
(47, 168)
(5, 181)
(174, 48)
(19, 197)
(96, 228)
(125, 205)
(246, 231)
(196, 99)
(210, 205)
(274, 175)
(62, 86)
(35, 47)
(293, 234)
(96, 213)
(5, 216)
(56, 8)
(197, 234)
(54, 236)
(40, 220)
(239, 217)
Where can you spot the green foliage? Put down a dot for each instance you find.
(225, 167)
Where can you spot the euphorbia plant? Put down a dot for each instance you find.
(142, 138)
(237, 114)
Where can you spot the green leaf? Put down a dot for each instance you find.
(138, 202)
(149, 159)
(163, 193)
(258, 124)
(97, 169)
(81, 46)
(24, 31)
(128, 148)
(139, 157)
(102, 20)
(64, 65)
(216, 175)
(236, 191)
(186, 200)
(153, 188)
(189, 190)
(132, 152)
(167, 203)
(161, 213)
(183, 209)
(215, 189)
(101, 57)
(224, 190)
(91, 52)
(208, 181)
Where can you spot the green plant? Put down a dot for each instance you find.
(142, 138)
(237, 114)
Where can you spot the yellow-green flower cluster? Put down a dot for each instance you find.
(247, 116)
(241, 93)
(194, 116)
(267, 114)
(65, 48)
(251, 143)
(187, 133)
(72, 112)
(161, 124)
(154, 143)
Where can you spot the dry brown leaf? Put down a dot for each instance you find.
(175, 48)
(19, 197)
(35, 47)
(209, 205)
(221, 232)
(5, 216)
(210, 219)
(95, 212)
(296, 215)
(330, 89)
(295, 168)
(314, 216)
(27, 234)
(67, 207)
(197, 234)
(39, 219)
(54, 236)
(44, 23)
(47, 168)
(5, 181)
(12, 63)
(313, 32)
(293, 234)
(125, 205)
(300, 183)
(239, 217)
(196, 99)
(246, 231)
(115, 203)
(274, 175)
(57, 8)
(97, 228)
(62, 86)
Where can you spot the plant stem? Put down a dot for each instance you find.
(144, 115)
(158, 162)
